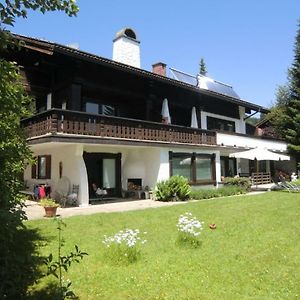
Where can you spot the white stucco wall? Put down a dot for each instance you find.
(73, 167)
(241, 122)
(240, 126)
(218, 167)
(127, 51)
(133, 166)
(151, 164)
(164, 168)
(148, 163)
(251, 142)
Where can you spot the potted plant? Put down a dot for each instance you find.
(50, 207)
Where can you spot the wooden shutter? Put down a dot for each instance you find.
(48, 166)
(33, 170)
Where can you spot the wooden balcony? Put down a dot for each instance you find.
(65, 122)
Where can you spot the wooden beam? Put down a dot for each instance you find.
(38, 49)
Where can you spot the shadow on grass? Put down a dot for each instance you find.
(20, 263)
(50, 292)
(190, 243)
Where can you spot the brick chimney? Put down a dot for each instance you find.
(159, 69)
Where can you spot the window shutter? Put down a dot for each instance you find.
(48, 166)
(33, 171)
(33, 168)
(213, 166)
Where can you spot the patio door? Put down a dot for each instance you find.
(108, 172)
(104, 172)
(228, 166)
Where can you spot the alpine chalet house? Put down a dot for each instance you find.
(112, 125)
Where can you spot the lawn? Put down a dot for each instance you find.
(253, 253)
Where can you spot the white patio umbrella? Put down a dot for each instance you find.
(194, 121)
(165, 111)
(259, 154)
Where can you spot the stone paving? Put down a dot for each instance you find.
(34, 211)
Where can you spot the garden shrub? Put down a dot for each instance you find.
(174, 189)
(163, 191)
(238, 181)
(215, 193)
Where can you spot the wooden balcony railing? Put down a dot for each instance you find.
(79, 123)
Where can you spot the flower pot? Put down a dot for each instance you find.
(50, 211)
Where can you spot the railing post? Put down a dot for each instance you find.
(54, 123)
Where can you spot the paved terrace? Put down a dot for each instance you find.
(34, 211)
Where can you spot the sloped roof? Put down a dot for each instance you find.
(204, 82)
(51, 47)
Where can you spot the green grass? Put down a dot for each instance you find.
(253, 254)
(229, 190)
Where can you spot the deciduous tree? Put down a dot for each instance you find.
(16, 252)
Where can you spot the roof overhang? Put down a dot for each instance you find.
(50, 48)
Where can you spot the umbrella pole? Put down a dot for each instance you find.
(257, 167)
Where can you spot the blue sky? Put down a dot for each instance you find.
(248, 44)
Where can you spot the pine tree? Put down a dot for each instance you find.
(202, 65)
(285, 116)
(293, 107)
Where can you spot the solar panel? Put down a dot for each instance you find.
(216, 86)
(204, 83)
(184, 77)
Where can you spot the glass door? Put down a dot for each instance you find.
(104, 172)
(109, 175)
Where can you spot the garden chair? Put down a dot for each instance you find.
(73, 197)
(63, 192)
(289, 186)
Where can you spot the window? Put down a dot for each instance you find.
(203, 168)
(228, 166)
(182, 166)
(107, 110)
(103, 109)
(92, 108)
(42, 168)
(197, 168)
(220, 124)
